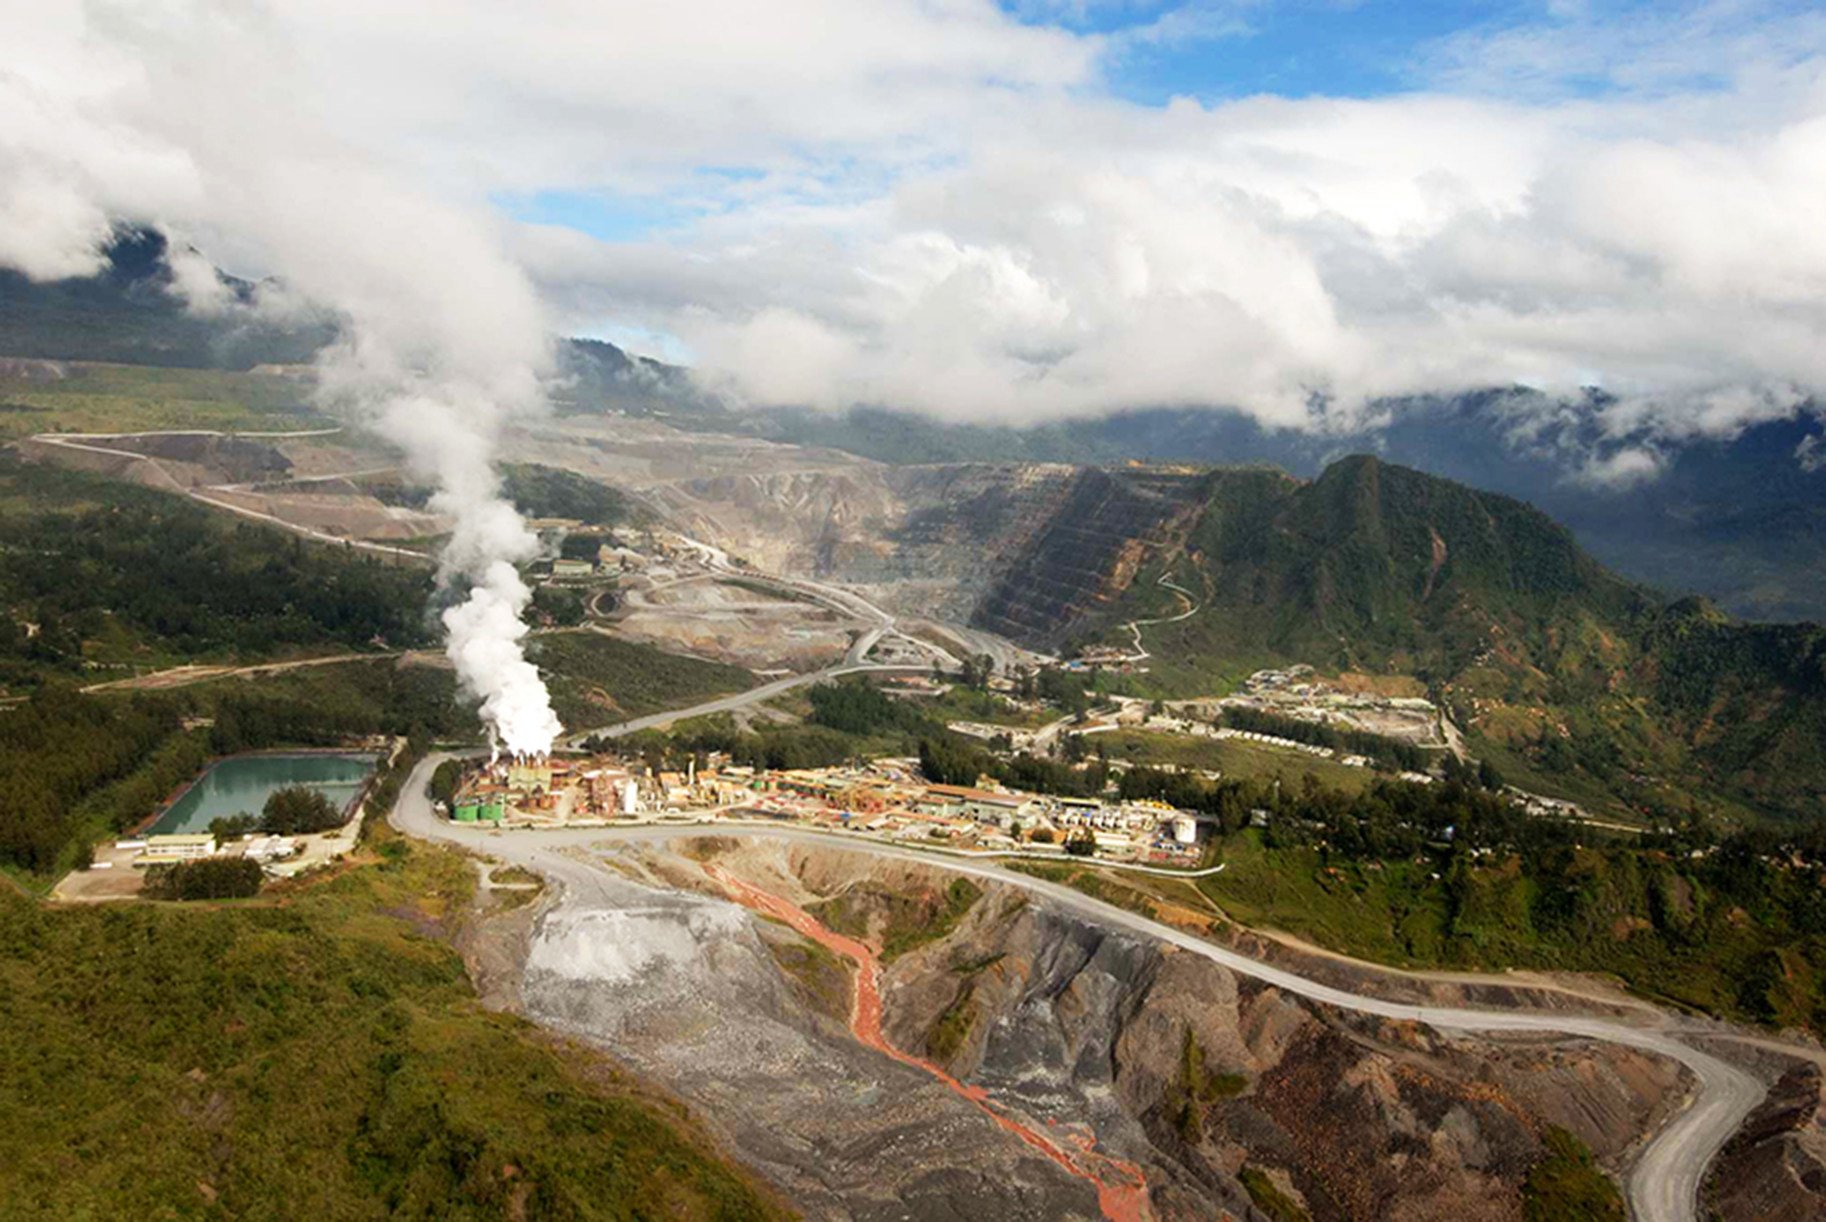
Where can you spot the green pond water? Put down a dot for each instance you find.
(241, 784)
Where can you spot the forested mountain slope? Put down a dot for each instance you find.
(1546, 659)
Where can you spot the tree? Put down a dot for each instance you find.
(299, 810)
(563, 607)
(210, 878)
(1489, 777)
(443, 784)
(232, 827)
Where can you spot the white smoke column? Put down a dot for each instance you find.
(448, 426)
(204, 119)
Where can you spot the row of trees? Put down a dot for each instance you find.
(1389, 752)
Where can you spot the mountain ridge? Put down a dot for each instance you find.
(1740, 519)
(1548, 660)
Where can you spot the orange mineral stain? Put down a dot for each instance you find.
(1122, 1191)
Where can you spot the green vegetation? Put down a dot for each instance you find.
(953, 1027)
(976, 966)
(907, 921)
(559, 606)
(1568, 1186)
(322, 706)
(96, 573)
(950, 759)
(551, 492)
(1389, 752)
(902, 937)
(1270, 1200)
(1149, 896)
(211, 878)
(598, 680)
(298, 810)
(768, 747)
(848, 720)
(1569, 679)
(515, 887)
(1196, 1089)
(321, 1058)
(67, 766)
(1237, 759)
(820, 976)
(1450, 875)
(138, 398)
(991, 708)
(294, 810)
(444, 780)
(81, 767)
(855, 706)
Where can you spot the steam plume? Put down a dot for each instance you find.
(444, 339)
(447, 429)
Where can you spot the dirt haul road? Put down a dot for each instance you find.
(1663, 1186)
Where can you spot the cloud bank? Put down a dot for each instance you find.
(951, 206)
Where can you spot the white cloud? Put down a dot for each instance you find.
(930, 204)
(1622, 468)
(1810, 454)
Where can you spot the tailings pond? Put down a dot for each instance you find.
(241, 784)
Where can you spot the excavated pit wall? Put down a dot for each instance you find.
(1079, 1032)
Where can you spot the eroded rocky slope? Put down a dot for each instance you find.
(1115, 1049)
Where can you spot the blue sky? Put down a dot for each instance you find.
(1294, 48)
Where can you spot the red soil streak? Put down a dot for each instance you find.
(1122, 1191)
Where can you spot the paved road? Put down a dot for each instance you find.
(1663, 1186)
(754, 695)
(839, 598)
(84, 441)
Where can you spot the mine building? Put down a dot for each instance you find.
(572, 570)
(484, 803)
(179, 847)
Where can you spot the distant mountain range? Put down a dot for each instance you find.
(1741, 521)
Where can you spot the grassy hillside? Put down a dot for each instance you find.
(316, 1053)
(1573, 679)
(40, 397)
(597, 680)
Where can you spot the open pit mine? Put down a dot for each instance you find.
(882, 1036)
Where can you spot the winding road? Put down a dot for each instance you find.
(86, 442)
(1135, 626)
(1663, 1186)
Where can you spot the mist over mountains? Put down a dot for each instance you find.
(1739, 518)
